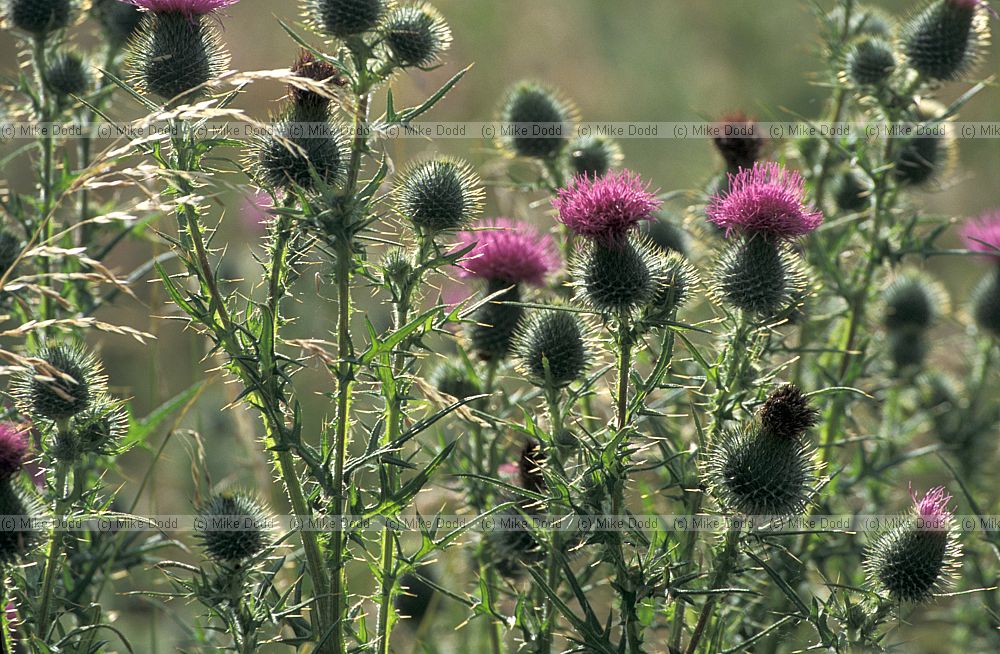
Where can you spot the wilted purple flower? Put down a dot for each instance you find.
(933, 508)
(983, 234)
(605, 208)
(186, 7)
(767, 199)
(508, 251)
(255, 211)
(13, 448)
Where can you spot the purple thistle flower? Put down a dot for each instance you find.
(186, 7)
(508, 251)
(983, 234)
(767, 199)
(13, 448)
(255, 211)
(933, 508)
(605, 208)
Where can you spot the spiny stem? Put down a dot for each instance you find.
(724, 565)
(283, 460)
(52, 559)
(345, 373)
(46, 226)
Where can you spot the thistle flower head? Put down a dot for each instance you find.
(65, 382)
(13, 449)
(933, 507)
(870, 62)
(913, 301)
(986, 303)
(40, 17)
(787, 413)
(311, 102)
(983, 234)
(119, 20)
(605, 208)
(507, 251)
(553, 348)
(665, 235)
(344, 18)
(415, 35)
(186, 7)
(912, 561)
(10, 250)
(753, 471)
(947, 38)
(67, 75)
(439, 195)
(232, 527)
(594, 156)
(538, 118)
(739, 140)
(175, 53)
(18, 541)
(768, 200)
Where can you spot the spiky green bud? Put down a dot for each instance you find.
(119, 20)
(496, 322)
(232, 528)
(665, 235)
(64, 383)
(299, 153)
(986, 303)
(439, 195)
(676, 288)
(539, 121)
(946, 39)
(10, 250)
(453, 378)
(913, 301)
(67, 75)
(343, 18)
(870, 62)
(851, 191)
(593, 156)
(40, 17)
(415, 35)
(553, 348)
(174, 55)
(17, 541)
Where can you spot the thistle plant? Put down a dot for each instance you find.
(640, 407)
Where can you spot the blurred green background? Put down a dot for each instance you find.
(620, 60)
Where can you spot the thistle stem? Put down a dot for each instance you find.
(45, 226)
(345, 374)
(52, 559)
(393, 425)
(549, 614)
(724, 565)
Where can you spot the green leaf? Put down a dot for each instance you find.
(140, 430)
